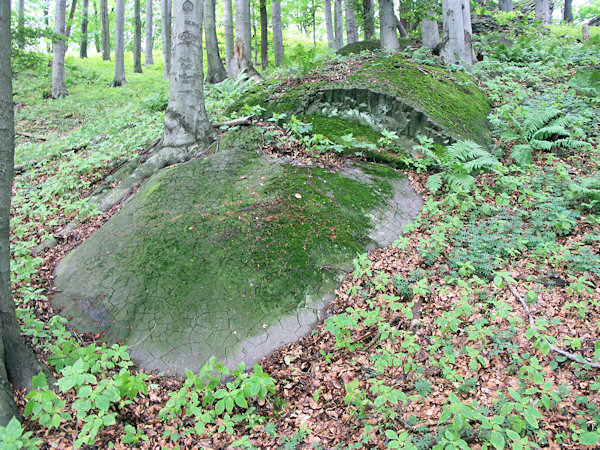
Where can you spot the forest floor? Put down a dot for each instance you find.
(463, 333)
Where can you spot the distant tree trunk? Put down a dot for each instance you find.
(17, 363)
(329, 24)
(568, 12)
(47, 12)
(137, 38)
(185, 120)
(216, 71)
(264, 35)
(253, 34)
(229, 41)
(119, 78)
(314, 23)
(351, 30)
(505, 5)
(338, 22)
(59, 89)
(277, 32)
(70, 21)
(242, 52)
(97, 41)
(166, 34)
(368, 19)
(148, 58)
(387, 25)
(21, 23)
(84, 29)
(542, 11)
(457, 32)
(105, 22)
(430, 33)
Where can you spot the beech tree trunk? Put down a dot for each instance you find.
(430, 33)
(387, 25)
(229, 41)
(59, 89)
(21, 23)
(457, 32)
(185, 120)
(338, 21)
(84, 29)
(119, 78)
(137, 38)
(165, 33)
(542, 11)
(505, 5)
(368, 19)
(97, 40)
(264, 35)
(351, 30)
(216, 71)
(568, 11)
(17, 363)
(242, 52)
(148, 58)
(104, 20)
(329, 24)
(277, 32)
(70, 21)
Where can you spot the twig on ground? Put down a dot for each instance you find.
(32, 136)
(573, 357)
(231, 123)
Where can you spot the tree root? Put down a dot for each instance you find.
(573, 357)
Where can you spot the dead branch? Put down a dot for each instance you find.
(32, 136)
(573, 357)
(231, 123)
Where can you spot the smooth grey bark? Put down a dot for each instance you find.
(70, 21)
(351, 30)
(59, 89)
(21, 23)
(186, 123)
(457, 46)
(505, 5)
(568, 11)
(338, 24)
(229, 40)
(17, 363)
(148, 59)
(105, 23)
(368, 19)
(166, 35)
(119, 78)
(241, 60)
(216, 72)
(277, 32)
(329, 24)
(542, 11)
(137, 37)
(84, 28)
(264, 35)
(387, 25)
(430, 33)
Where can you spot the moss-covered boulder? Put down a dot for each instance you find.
(384, 92)
(360, 46)
(231, 255)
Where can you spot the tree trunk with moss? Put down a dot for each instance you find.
(216, 71)
(119, 78)
(264, 35)
(457, 45)
(277, 32)
(338, 23)
(17, 363)
(351, 30)
(241, 60)
(186, 123)
(59, 89)
(104, 21)
(368, 16)
(166, 35)
(137, 37)
(329, 24)
(430, 33)
(388, 26)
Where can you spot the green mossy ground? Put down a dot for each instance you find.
(210, 252)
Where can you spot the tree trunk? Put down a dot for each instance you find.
(277, 32)
(387, 25)
(119, 78)
(242, 56)
(97, 41)
(368, 19)
(216, 71)
(59, 89)
(105, 30)
(351, 30)
(264, 35)
(229, 41)
(338, 21)
(148, 59)
(542, 11)
(137, 37)
(329, 24)
(457, 32)
(84, 29)
(314, 23)
(70, 21)
(47, 12)
(17, 362)
(21, 23)
(430, 33)
(185, 119)
(568, 12)
(505, 5)
(166, 34)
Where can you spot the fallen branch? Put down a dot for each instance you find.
(573, 357)
(32, 136)
(232, 123)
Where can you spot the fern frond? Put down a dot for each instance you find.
(541, 145)
(463, 181)
(550, 131)
(434, 182)
(571, 143)
(470, 156)
(537, 120)
(522, 154)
